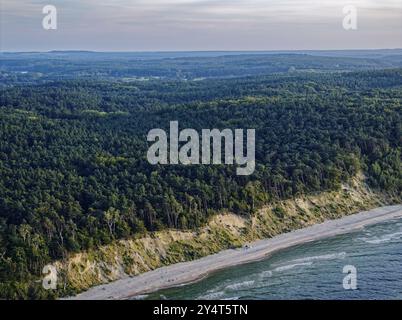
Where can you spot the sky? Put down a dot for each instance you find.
(193, 25)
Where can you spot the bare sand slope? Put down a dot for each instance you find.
(182, 273)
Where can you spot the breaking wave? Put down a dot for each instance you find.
(291, 266)
(240, 285)
(383, 239)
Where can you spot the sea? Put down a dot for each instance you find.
(366, 264)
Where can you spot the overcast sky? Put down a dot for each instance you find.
(174, 25)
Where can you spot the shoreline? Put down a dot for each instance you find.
(183, 273)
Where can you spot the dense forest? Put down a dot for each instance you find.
(74, 173)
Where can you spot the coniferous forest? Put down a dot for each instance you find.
(73, 143)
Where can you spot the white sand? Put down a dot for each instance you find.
(186, 272)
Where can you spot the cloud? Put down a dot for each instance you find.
(170, 24)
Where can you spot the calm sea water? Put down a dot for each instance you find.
(312, 271)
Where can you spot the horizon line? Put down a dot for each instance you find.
(191, 51)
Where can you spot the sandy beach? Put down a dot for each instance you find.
(181, 273)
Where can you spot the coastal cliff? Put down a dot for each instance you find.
(127, 258)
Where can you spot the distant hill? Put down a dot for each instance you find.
(34, 66)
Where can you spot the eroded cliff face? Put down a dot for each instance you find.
(131, 257)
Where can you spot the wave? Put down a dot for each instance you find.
(211, 295)
(218, 292)
(265, 274)
(331, 256)
(240, 285)
(308, 261)
(291, 266)
(231, 298)
(383, 239)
